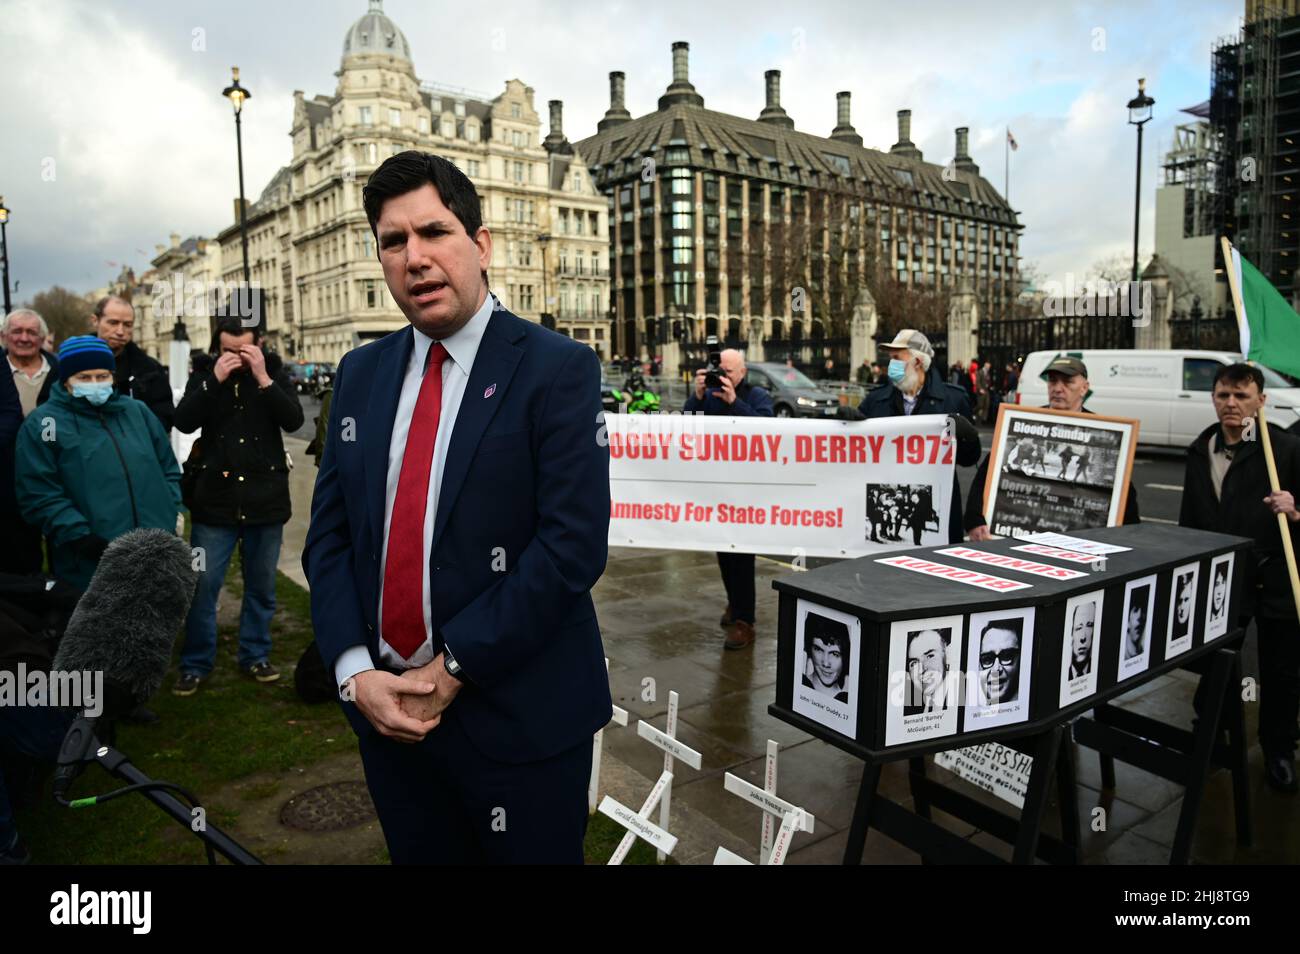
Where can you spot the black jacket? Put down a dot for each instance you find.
(975, 501)
(238, 468)
(935, 397)
(139, 376)
(1241, 511)
(44, 394)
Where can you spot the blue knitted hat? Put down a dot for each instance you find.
(84, 353)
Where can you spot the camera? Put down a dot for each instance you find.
(713, 371)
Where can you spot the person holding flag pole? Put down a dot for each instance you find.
(1243, 478)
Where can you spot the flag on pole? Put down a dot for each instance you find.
(1269, 326)
(1011, 141)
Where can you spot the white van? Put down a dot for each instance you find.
(1168, 391)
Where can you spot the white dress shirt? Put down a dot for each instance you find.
(461, 350)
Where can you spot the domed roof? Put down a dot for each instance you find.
(376, 33)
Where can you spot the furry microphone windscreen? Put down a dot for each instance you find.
(127, 622)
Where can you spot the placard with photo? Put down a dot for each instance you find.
(1080, 646)
(1216, 603)
(924, 679)
(1182, 609)
(1135, 626)
(827, 659)
(999, 660)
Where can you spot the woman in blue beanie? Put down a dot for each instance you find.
(91, 464)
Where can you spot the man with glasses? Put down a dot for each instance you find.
(1000, 661)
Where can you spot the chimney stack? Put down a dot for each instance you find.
(617, 112)
(961, 159)
(681, 91)
(905, 146)
(844, 131)
(555, 141)
(772, 112)
(681, 63)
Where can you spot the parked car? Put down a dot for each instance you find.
(1167, 391)
(297, 372)
(794, 394)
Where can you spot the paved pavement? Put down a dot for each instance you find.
(659, 616)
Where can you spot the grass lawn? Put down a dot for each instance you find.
(231, 728)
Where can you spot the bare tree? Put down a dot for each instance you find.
(66, 312)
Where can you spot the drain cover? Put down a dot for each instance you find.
(330, 807)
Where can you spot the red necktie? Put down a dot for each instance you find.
(402, 625)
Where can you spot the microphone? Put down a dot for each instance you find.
(124, 626)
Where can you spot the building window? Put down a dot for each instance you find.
(370, 293)
(577, 182)
(424, 125)
(516, 138)
(449, 129)
(394, 117)
(460, 108)
(472, 168)
(514, 111)
(519, 172)
(363, 115)
(681, 181)
(471, 132)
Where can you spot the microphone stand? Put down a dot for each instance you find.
(117, 764)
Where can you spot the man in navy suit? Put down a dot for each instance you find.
(458, 524)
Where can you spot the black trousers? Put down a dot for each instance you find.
(738, 580)
(442, 801)
(22, 554)
(1279, 689)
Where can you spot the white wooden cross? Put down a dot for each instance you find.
(638, 824)
(620, 718)
(773, 849)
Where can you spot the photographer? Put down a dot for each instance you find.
(240, 492)
(721, 388)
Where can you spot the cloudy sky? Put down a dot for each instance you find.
(114, 132)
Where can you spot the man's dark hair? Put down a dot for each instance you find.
(1239, 373)
(831, 633)
(230, 325)
(411, 170)
(1013, 625)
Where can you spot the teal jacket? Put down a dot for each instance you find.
(83, 470)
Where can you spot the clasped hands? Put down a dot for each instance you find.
(406, 707)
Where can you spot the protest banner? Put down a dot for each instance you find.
(779, 485)
(1057, 471)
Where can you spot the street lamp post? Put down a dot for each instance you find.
(302, 302)
(542, 240)
(237, 95)
(4, 250)
(1139, 114)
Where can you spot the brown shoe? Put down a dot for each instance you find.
(740, 635)
(726, 617)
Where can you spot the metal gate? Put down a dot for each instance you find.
(1012, 339)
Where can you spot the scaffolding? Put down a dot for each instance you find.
(1193, 162)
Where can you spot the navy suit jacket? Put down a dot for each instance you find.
(519, 539)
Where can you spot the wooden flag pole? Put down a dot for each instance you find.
(1284, 525)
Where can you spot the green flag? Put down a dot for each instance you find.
(1270, 327)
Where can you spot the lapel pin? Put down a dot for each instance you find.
(492, 389)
